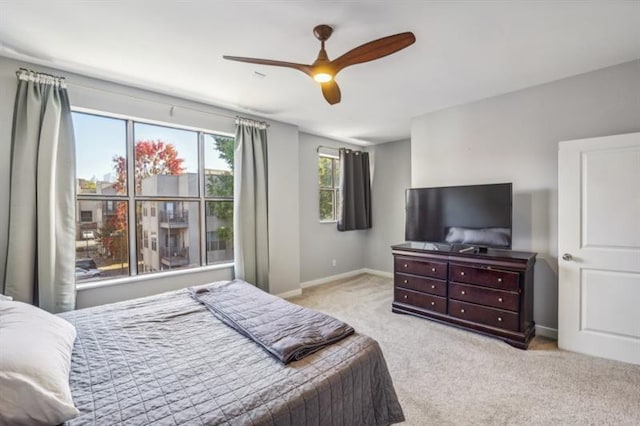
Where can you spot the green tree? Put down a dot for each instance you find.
(327, 177)
(220, 184)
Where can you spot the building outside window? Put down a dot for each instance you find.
(139, 182)
(328, 182)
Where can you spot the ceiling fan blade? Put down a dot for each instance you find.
(374, 50)
(300, 67)
(331, 92)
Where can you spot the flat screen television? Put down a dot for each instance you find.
(474, 215)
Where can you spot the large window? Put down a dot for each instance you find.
(150, 197)
(328, 172)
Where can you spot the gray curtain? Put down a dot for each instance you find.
(250, 207)
(40, 263)
(355, 191)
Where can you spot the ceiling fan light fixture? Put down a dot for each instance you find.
(322, 77)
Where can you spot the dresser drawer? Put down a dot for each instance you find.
(496, 278)
(421, 300)
(484, 315)
(426, 268)
(426, 285)
(485, 296)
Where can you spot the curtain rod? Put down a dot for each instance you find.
(326, 147)
(84, 86)
(251, 122)
(40, 77)
(336, 149)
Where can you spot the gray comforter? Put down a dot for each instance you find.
(287, 331)
(165, 360)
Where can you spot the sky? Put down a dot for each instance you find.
(100, 139)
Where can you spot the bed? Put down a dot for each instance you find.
(166, 360)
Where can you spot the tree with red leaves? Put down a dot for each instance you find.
(151, 158)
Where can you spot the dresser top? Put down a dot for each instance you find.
(455, 250)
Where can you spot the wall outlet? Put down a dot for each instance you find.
(333, 262)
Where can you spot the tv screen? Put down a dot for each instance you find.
(476, 215)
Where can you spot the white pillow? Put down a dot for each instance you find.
(35, 358)
(4, 298)
(494, 237)
(455, 235)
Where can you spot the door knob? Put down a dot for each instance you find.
(567, 256)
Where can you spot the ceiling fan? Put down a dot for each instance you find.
(324, 70)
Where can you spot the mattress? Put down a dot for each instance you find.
(166, 360)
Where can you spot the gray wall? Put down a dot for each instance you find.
(320, 243)
(514, 138)
(99, 95)
(509, 138)
(392, 175)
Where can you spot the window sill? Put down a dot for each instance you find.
(150, 276)
(328, 221)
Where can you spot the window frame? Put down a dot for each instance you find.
(335, 187)
(131, 199)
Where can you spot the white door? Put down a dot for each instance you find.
(599, 247)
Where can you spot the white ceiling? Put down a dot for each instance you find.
(465, 51)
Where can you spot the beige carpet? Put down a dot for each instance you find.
(447, 376)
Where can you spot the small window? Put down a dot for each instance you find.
(328, 170)
(145, 241)
(86, 216)
(154, 244)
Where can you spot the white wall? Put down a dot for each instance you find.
(514, 138)
(392, 175)
(109, 97)
(320, 243)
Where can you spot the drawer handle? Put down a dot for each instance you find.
(433, 286)
(406, 265)
(461, 273)
(433, 303)
(463, 292)
(462, 310)
(433, 269)
(405, 296)
(499, 319)
(499, 280)
(405, 281)
(500, 299)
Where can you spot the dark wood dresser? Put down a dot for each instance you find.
(490, 293)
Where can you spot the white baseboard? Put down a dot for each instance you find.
(292, 293)
(344, 275)
(332, 278)
(319, 281)
(383, 274)
(551, 333)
